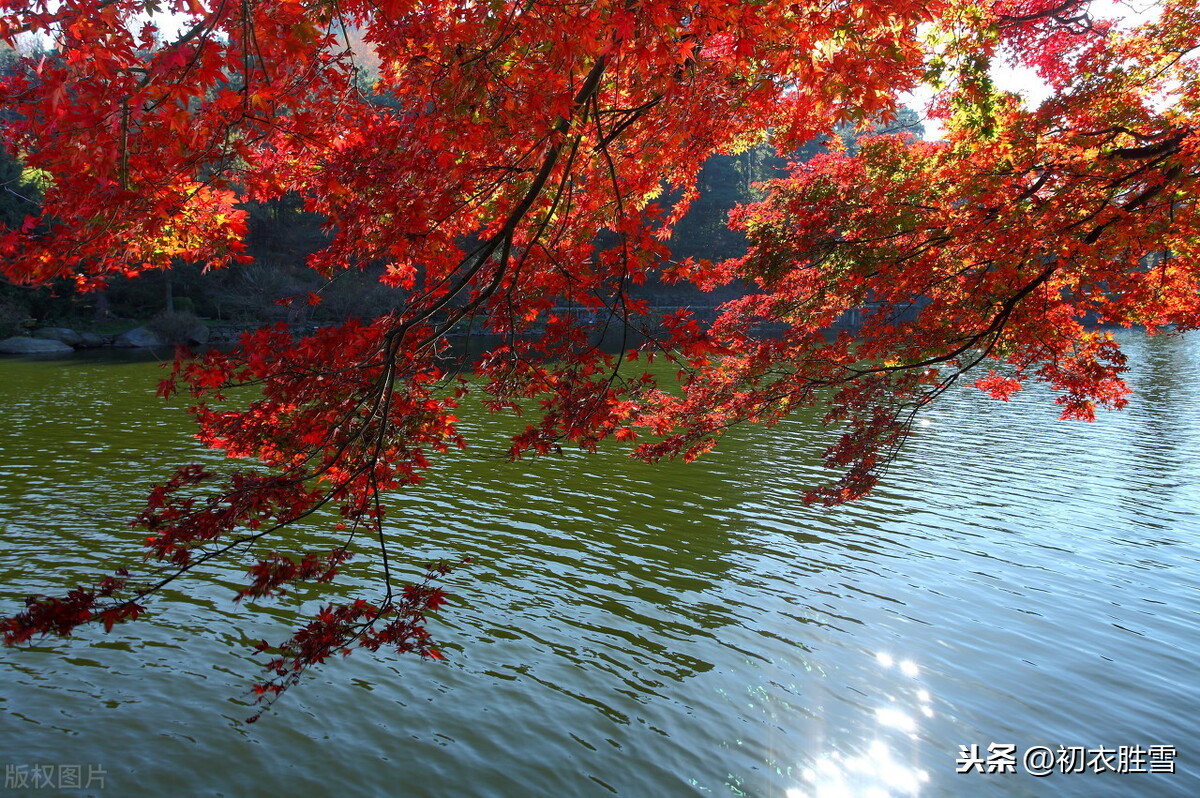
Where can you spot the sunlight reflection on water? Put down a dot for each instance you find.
(887, 765)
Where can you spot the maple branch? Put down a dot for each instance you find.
(629, 117)
(994, 327)
(502, 139)
(504, 236)
(1150, 151)
(1057, 13)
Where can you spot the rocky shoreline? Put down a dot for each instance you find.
(64, 340)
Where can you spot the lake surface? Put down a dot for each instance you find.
(646, 631)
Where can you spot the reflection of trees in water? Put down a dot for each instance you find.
(1155, 463)
(1162, 373)
(600, 561)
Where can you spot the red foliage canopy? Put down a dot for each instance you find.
(511, 170)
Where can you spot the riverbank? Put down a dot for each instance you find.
(64, 340)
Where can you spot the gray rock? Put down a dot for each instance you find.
(138, 337)
(198, 334)
(225, 334)
(33, 346)
(166, 331)
(64, 334)
(91, 340)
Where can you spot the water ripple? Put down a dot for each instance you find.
(649, 630)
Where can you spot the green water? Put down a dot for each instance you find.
(644, 631)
